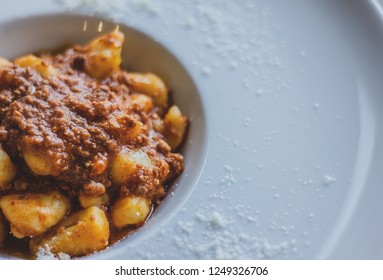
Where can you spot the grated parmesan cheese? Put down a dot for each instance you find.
(327, 179)
(44, 253)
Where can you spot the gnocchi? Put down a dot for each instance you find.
(81, 233)
(4, 63)
(104, 55)
(45, 70)
(143, 101)
(132, 128)
(175, 126)
(127, 163)
(7, 169)
(151, 85)
(37, 162)
(31, 214)
(86, 149)
(130, 210)
(87, 201)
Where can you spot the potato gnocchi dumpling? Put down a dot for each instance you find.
(37, 162)
(31, 214)
(87, 150)
(127, 163)
(130, 210)
(81, 233)
(87, 201)
(104, 55)
(45, 70)
(143, 101)
(132, 128)
(7, 169)
(4, 63)
(151, 85)
(175, 126)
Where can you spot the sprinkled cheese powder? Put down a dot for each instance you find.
(225, 242)
(215, 227)
(44, 253)
(327, 179)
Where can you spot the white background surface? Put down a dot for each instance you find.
(292, 92)
(276, 269)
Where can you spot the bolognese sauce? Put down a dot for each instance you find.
(87, 149)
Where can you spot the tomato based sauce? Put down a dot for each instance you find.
(94, 134)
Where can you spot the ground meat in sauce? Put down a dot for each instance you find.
(87, 150)
(79, 124)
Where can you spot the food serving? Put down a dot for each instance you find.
(87, 150)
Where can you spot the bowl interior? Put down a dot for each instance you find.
(141, 53)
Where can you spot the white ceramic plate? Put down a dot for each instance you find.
(286, 99)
